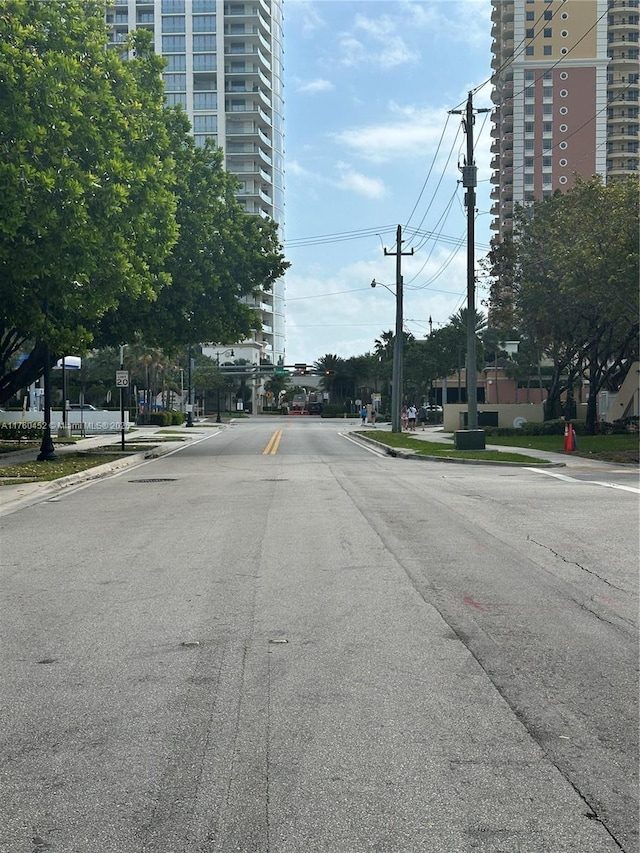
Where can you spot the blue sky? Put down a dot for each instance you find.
(370, 146)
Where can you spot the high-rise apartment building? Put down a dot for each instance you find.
(224, 65)
(565, 90)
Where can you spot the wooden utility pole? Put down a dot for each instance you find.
(396, 382)
(470, 181)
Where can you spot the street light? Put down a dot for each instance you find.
(232, 354)
(396, 381)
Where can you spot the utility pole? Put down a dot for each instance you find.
(396, 382)
(470, 181)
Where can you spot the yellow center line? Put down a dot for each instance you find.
(273, 444)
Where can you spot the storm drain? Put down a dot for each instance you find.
(156, 480)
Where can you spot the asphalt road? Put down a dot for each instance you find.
(277, 640)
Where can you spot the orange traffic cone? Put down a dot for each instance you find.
(569, 438)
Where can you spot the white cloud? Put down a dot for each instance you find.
(358, 183)
(375, 41)
(414, 132)
(313, 86)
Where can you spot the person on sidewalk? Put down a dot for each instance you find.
(363, 415)
(373, 416)
(404, 418)
(412, 414)
(422, 416)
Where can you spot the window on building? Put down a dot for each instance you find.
(529, 50)
(172, 7)
(547, 110)
(200, 6)
(529, 93)
(177, 62)
(173, 24)
(548, 15)
(547, 50)
(547, 92)
(548, 32)
(529, 76)
(547, 162)
(205, 124)
(204, 62)
(531, 16)
(547, 127)
(529, 33)
(204, 43)
(528, 162)
(175, 82)
(174, 44)
(205, 101)
(173, 99)
(204, 23)
(529, 128)
(529, 110)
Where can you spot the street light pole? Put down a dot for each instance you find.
(189, 422)
(218, 418)
(226, 352)
(47, 450)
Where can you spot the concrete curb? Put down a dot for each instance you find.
(412, 454)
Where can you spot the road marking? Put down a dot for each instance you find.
(273, 444)
(586, 482)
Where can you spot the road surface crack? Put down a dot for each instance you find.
(574, 563)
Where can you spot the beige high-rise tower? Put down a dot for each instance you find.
(224, 65)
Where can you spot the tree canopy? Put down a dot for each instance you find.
(87, 210)
(571, 273)
(113, 224)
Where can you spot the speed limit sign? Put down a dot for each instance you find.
(122, 378)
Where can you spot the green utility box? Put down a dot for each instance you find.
(470, 439)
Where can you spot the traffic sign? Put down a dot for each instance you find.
(122, 378)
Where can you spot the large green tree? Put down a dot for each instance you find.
(572, 282)
(87, 209)
(222, 255)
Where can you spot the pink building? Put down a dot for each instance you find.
(565, 90)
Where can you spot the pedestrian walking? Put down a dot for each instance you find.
(363, 415)
(404, 418)
(422, 416)
(373, 416)
(412, 414)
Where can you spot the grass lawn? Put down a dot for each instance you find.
(606, 448)
(37, 472)
(437, 448)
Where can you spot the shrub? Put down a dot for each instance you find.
(160, 418)
(177, 418)
(21, 432)
(332, 410)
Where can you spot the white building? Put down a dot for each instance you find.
(225, 68)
